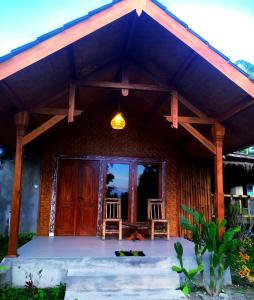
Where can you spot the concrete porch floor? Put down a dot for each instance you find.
(78, 247)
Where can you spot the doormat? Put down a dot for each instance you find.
(129, 253)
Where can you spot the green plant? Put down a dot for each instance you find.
(134, 253)
(121, 253)
(242, 266)
(55, 293)
(207, 237)
(189, 275)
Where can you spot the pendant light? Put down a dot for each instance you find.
(118, 122)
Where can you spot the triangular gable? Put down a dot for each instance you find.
(73, 31)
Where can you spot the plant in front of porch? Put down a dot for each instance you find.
(206, 238)
(189, 275)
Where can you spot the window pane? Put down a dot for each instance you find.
(147, 187)
(117, 185)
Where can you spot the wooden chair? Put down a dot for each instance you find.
(112, 217)
(156, 217)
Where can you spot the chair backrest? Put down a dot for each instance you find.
(156, 209)
(112, 208)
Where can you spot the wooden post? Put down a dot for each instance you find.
(174, 109)
(21, 121)
(218, 132)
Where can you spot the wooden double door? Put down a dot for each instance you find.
(77, 197)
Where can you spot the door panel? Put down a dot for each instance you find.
(66, 196)
(87, 198)
(77, 197)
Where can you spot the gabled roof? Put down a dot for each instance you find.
(116, 9)
(161, 49)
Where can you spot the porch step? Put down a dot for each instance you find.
(118, 282)
(167, 294)
(125, 278)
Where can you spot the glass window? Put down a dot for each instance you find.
(147, 187)
(117, 185)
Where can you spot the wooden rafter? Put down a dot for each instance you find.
(174, 109)
(71, 110)
(122, 85)
(193, 120)
(42, 128)
(203, 140)
(181, 99)
(54, 111)
(125, 77)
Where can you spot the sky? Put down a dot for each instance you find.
(227, 24)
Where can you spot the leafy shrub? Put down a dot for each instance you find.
(207, 238)
(56, 293)
(242, 265)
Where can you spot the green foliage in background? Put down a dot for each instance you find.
(246, 66)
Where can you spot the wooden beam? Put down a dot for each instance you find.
(188, 38)
(65, 38)
(193, 120)
(125, 78)
(182, 99)
(21, 121)
(42, 128)
(245, 103)
(174, 109)
(218, 133)
(54, 111)
(71, 110)
(129, 86)
(140, 6)
(203, 140)
(72, 62)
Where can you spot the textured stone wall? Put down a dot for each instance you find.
(30, 194)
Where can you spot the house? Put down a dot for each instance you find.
(184, 104)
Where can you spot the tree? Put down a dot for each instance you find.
(246, 67)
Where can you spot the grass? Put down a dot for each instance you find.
(10, 293)
(23, 239)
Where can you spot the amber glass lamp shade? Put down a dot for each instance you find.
(118, 122)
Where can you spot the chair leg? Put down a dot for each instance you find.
(152, 230)
(120, 230)
(103, 230)
(168, 231)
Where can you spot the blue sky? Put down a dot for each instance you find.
(226, 24)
